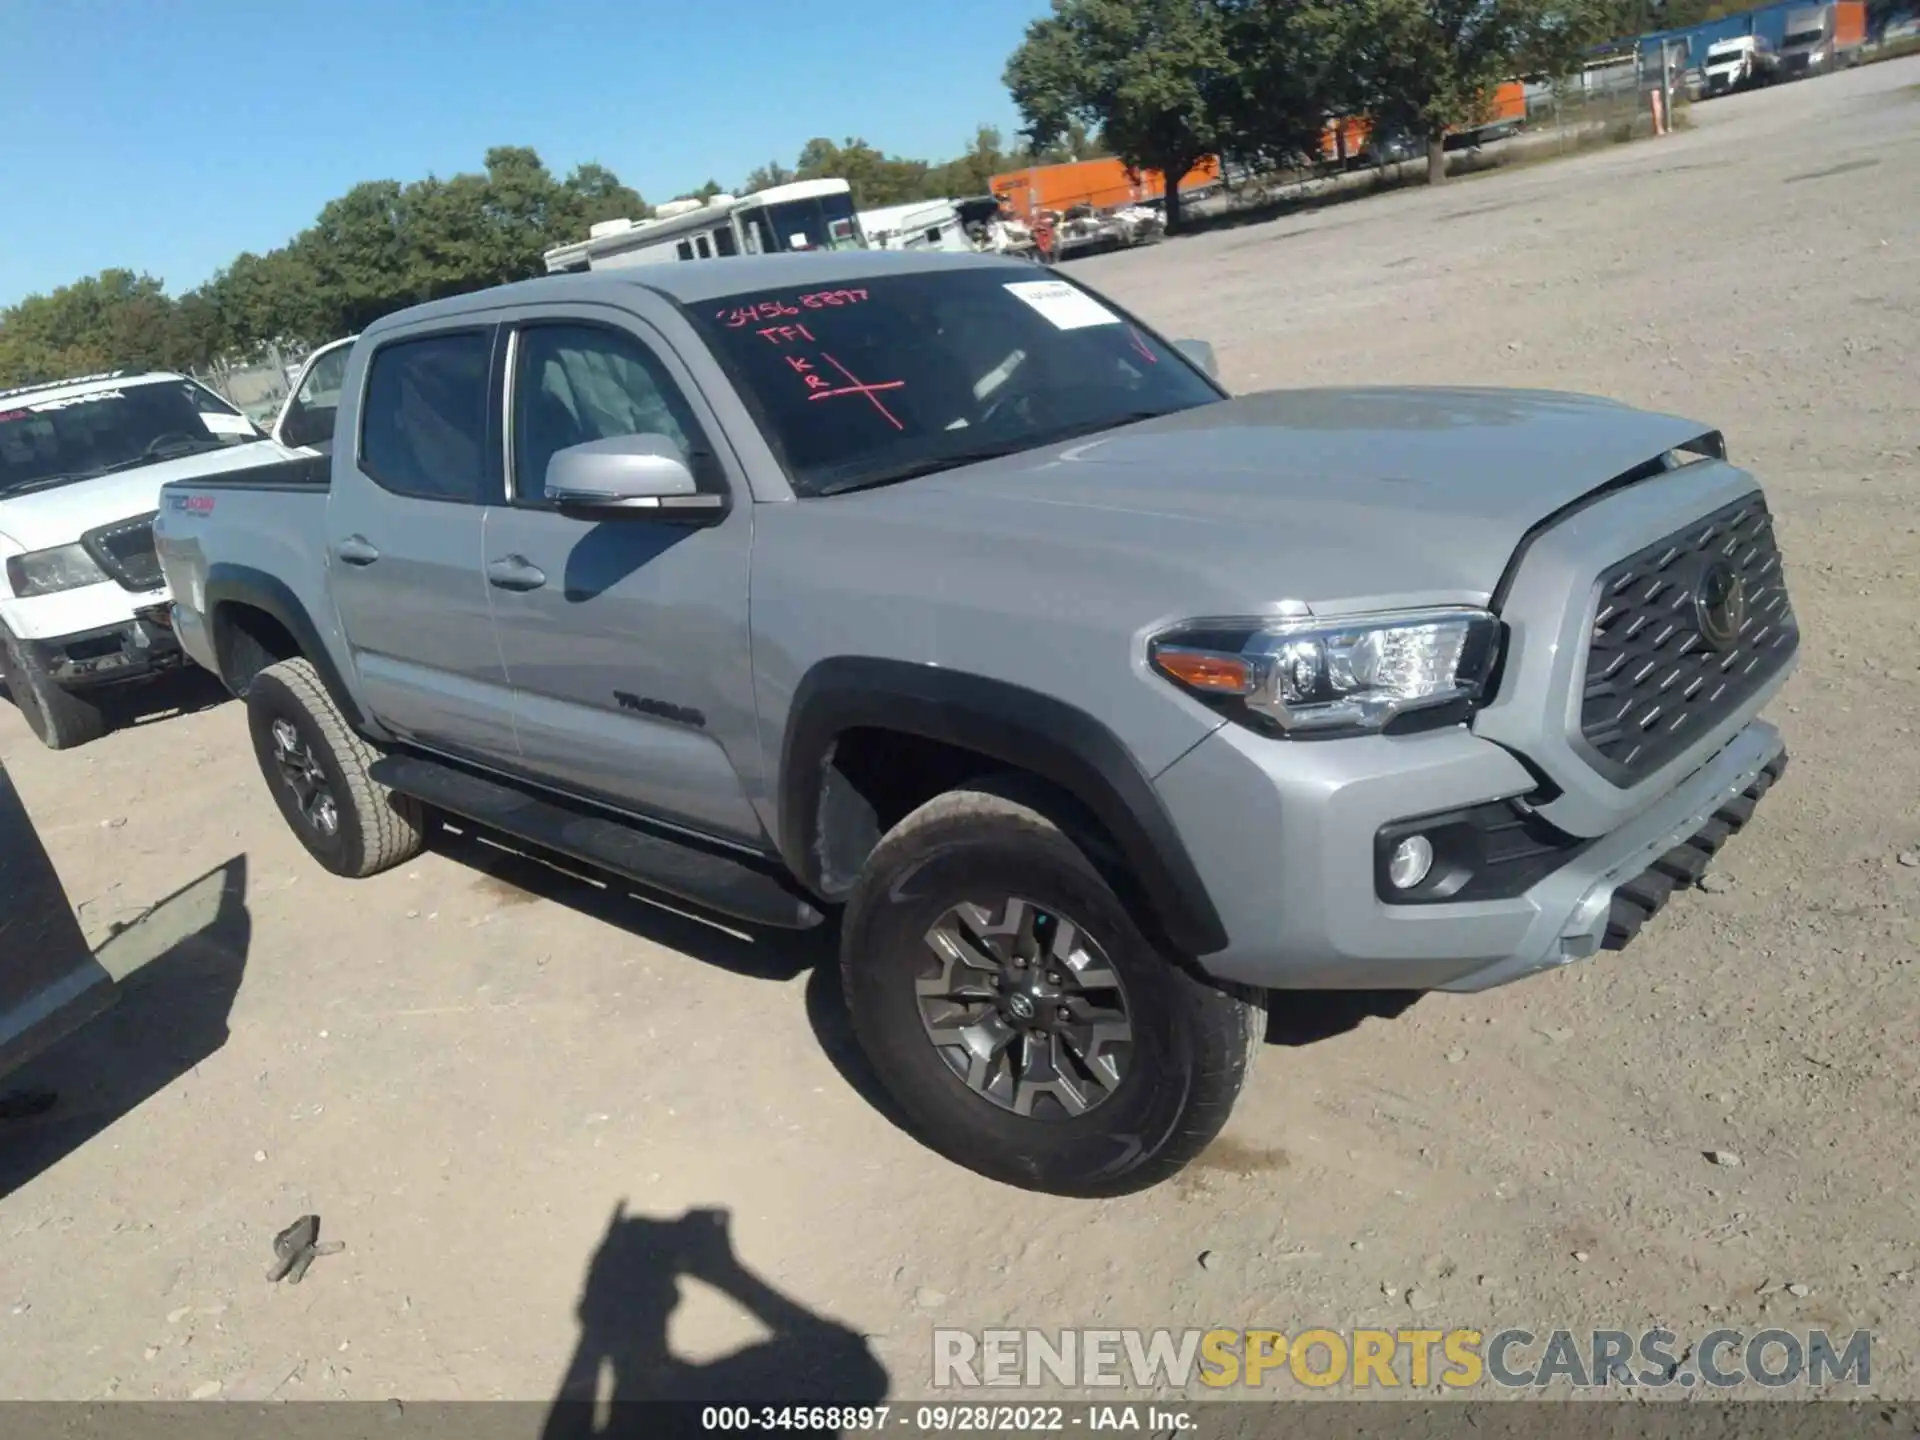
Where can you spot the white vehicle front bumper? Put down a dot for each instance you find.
(96, 633)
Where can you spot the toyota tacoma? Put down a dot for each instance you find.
(1101, 707)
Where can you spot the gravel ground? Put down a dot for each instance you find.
(490, 1079)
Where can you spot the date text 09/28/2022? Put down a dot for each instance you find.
(944, 1419)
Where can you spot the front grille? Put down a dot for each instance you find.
(1664, 664)
(125, 551)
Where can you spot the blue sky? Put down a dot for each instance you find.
(167, 136)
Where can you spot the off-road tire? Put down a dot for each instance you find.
(375, 829)
(60, 719)
(1191, 1044)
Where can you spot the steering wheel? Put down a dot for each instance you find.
(171, 436)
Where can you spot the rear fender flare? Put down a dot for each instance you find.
(229, 585)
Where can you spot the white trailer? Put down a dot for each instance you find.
(805, 215)
(921, 225)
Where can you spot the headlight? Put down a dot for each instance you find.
(1315, 677)
(42, 572)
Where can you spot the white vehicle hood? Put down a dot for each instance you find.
(59, 516)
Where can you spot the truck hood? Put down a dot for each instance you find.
(43, 518)
(1324, 496)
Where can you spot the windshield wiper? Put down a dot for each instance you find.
(931, 466)
(44, 482)
(172, 452)
(953, 460)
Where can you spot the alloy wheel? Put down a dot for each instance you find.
(301, 773)
(1025, 1009)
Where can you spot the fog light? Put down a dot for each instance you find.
(1412, 859)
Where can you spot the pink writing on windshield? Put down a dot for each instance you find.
(758, 312)
(824, 299)
(824, 389)
(785, 334)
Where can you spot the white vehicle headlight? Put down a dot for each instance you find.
(44, 572)
(1317, 677)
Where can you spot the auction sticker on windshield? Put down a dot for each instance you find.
(219, 424)
(1064, 307)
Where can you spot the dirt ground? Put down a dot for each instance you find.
(491, 1079)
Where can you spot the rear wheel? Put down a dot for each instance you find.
(317, 769)
(1018, 1015)
(60, 718)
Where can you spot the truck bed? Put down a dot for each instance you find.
(301, 472)
(250, 527)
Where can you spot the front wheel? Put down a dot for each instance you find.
(59, 719)
(1018, 1016)
(317, 769)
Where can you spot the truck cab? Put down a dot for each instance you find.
(305, 423)
(1821, 38)
(1737, 63)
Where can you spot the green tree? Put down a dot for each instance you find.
(1076, 142)
(1155, 76)
(765, 177)
(1297, 70)
(875, 179)
(1427, 66)
(594, 193)
(381, 246)
(115, 320)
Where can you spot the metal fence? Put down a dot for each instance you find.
(258, 389)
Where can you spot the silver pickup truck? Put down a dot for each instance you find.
(946, 597)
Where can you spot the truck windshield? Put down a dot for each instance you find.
(1805, 37)
(894, 376)
(53, 440)
(825, 222)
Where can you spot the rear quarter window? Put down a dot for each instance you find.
(423, 425)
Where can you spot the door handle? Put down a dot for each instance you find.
(515, 572)
(356, 550)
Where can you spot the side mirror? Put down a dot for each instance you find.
(303, 426)
(1201, 354)
(645, 473)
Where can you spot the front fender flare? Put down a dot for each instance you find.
(1019, 728)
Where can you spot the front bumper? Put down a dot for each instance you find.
(1285, 835)
(130, 650)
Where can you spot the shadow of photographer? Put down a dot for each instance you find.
(624, 1365)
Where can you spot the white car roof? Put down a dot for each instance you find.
(25, 396)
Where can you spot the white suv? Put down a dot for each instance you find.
(82, 601)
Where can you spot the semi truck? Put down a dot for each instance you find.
(1102, 185)
(1738, 63)
(1823, 38)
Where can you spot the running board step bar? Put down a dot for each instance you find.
(719, 882)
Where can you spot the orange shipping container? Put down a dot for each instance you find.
(1103, 184)
(1507, 107)
(1849, 23)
